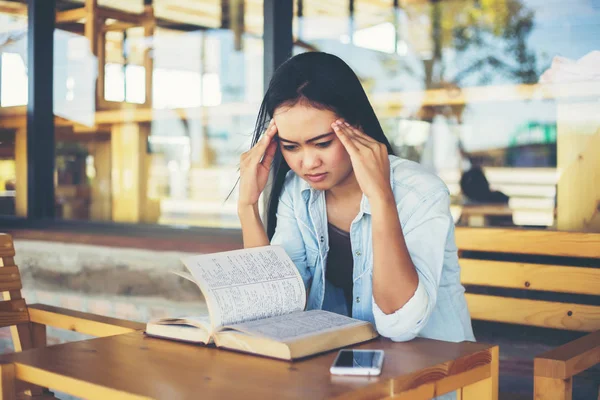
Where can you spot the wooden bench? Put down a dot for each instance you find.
(28, 322)
(494, 258)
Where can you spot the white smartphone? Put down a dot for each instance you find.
(357, 362)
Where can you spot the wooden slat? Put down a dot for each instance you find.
(90, 324)
(534, 312)
(554, 278)
(112, 13)
(73, 15)
(6, 246)
(10, 279)
(13, 312)
(522, 241)
(570, 359)
(480, 94)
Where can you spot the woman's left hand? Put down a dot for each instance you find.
(369, 160)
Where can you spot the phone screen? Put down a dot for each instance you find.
(358, 359)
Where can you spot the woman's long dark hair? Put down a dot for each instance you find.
(323, 81)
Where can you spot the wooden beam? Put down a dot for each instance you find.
(552, 278)
(570, 359)
(545, 314)
(73, 15)
(524, 241)
(123, 16)
(117, 26)
(13, 8)
(482, 94)
(90, 324)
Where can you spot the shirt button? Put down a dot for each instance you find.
(357, 252)
(322, 239)
(358, 299)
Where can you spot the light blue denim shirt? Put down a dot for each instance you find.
(437, 309)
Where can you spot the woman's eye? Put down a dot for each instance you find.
(322, 145)
(289, 148)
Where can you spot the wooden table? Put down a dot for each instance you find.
(133, 366)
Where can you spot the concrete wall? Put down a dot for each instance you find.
(133, 284)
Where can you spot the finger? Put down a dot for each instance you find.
(348, 144)
(269, 155)
(359, 141)
(270, 126)
(266, 138)
(360, 133)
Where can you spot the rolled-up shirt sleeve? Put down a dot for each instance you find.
(425, 233)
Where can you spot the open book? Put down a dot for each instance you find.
(256, 299)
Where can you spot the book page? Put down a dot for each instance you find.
(191, 329)
(198, 321)
(248, 284)
(295, 326)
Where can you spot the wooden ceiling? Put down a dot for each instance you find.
(207, 13)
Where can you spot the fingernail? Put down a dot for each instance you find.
(347, 124)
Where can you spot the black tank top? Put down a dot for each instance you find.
(340, 263)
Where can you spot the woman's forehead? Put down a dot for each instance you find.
(301, 122)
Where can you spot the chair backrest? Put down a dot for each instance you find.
(13, 309)
(491, 257)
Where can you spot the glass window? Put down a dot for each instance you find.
(154, 119)
(13, 99)
(496, 97)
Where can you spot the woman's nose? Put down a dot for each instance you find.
(311, 160)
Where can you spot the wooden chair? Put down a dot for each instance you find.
(28, 323)
(553, 370)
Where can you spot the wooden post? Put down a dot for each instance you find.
(21, 172)
(578, 141)
(130, 166)
(149, 25)
(100, 207)
(7, 382)
(91, 24)
(100, 43)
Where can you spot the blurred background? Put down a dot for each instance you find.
(122, 123)
(154, 105)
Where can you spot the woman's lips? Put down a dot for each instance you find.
(316, 177)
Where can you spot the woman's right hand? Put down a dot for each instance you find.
(254, 167)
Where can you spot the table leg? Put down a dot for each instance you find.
(486, 388)
(545, 388)
(7, 382)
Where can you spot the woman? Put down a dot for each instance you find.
(371, 234)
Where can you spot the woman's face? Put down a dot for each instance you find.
(310, 147)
